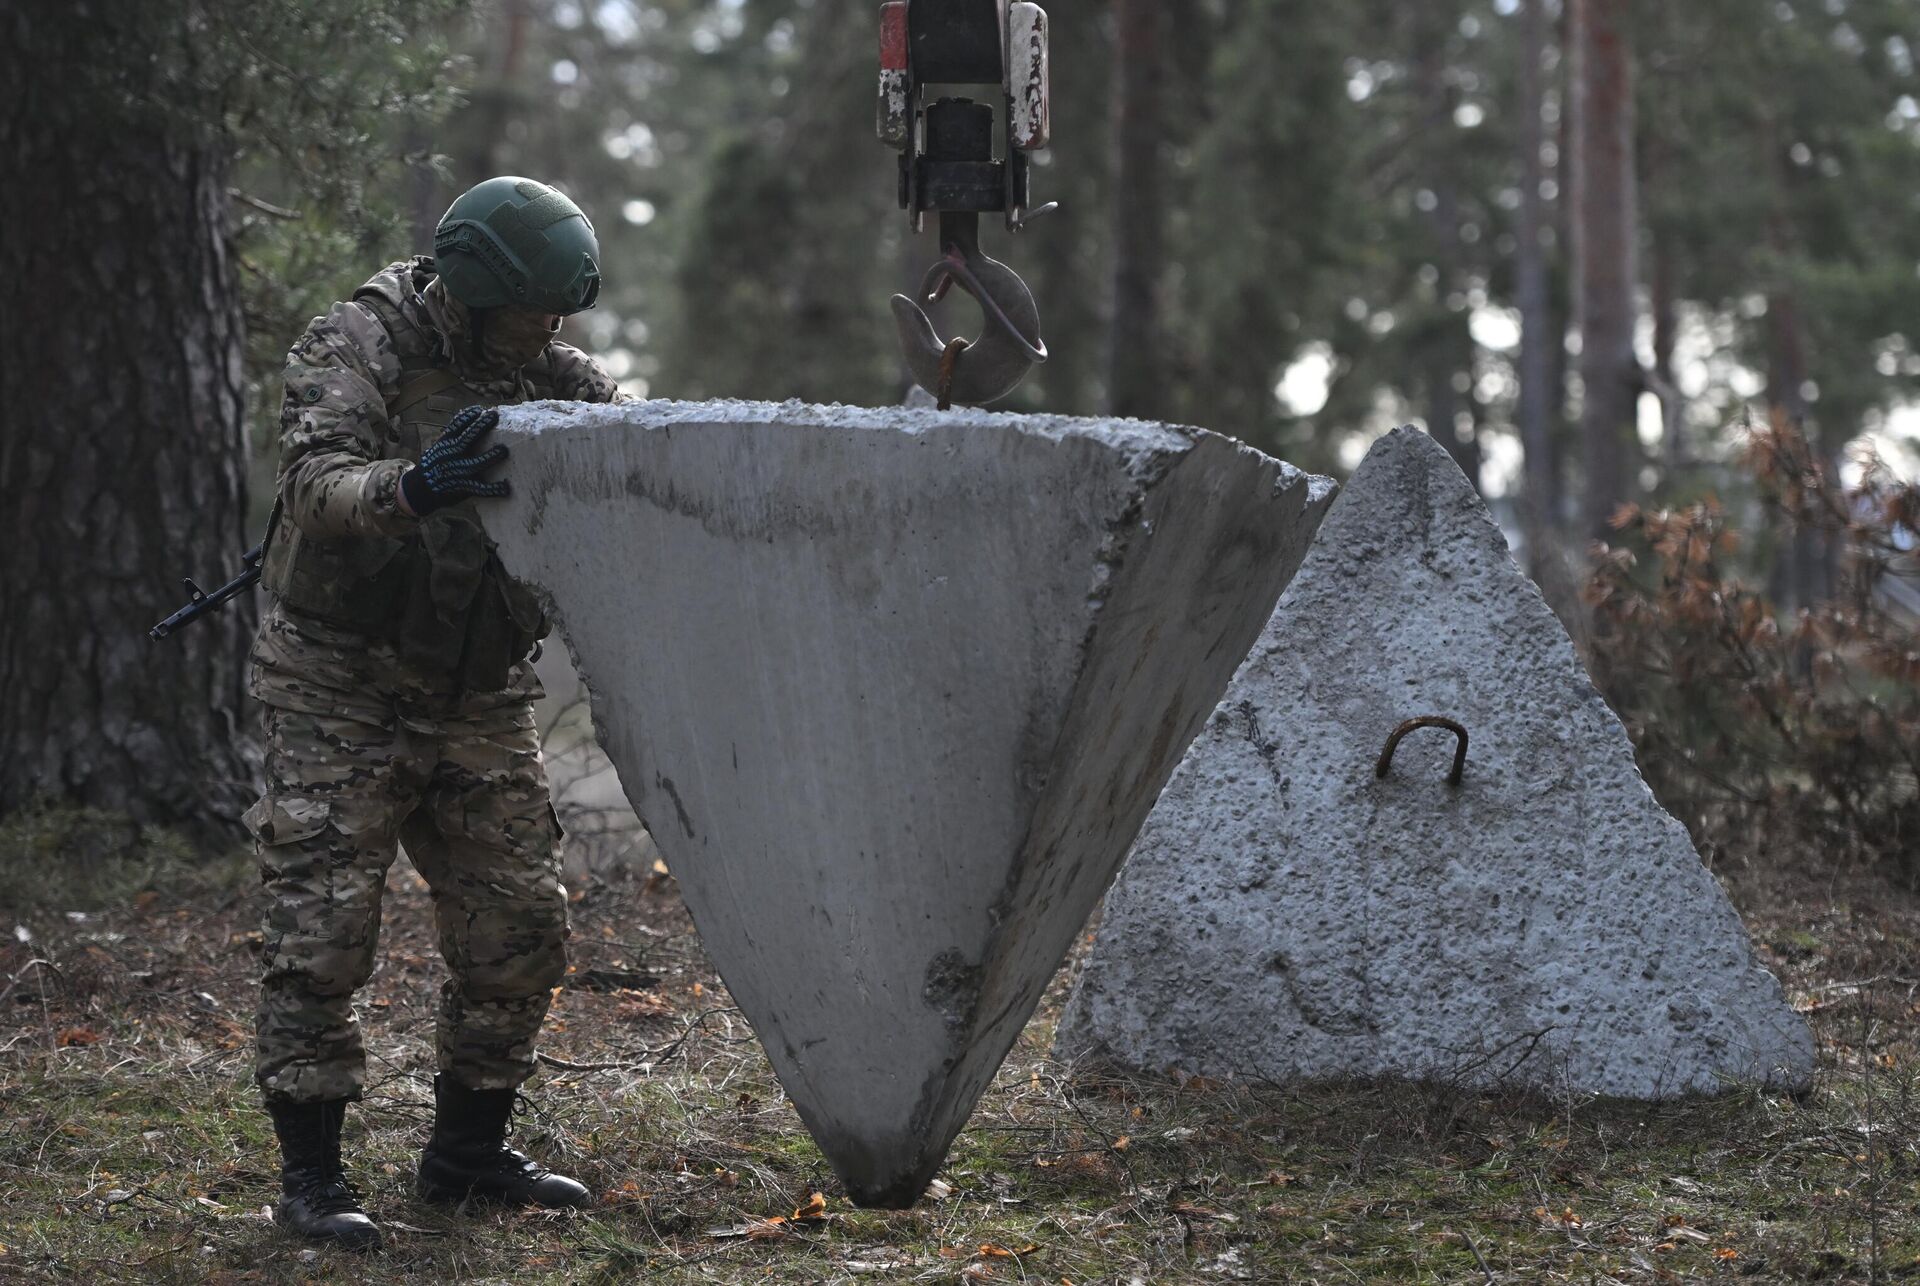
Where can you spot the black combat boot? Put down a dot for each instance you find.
(468, 1156)
(316, 1201)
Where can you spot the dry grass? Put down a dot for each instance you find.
(131, 1148)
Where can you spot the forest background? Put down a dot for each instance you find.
(1649, 271)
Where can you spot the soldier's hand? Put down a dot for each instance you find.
(454, 467)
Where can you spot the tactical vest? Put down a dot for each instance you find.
(439, 594)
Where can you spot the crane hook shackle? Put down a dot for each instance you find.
(949, 167)
(988, 368)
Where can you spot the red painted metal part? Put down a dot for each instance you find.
(893, 35)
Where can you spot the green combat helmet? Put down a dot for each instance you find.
(515, 241)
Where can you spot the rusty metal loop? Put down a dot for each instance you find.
(944, 394)
(1427, 721)
(1009, 345)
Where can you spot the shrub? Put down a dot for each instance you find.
(1767, 732)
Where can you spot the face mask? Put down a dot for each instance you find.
(512, 337)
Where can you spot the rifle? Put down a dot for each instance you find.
(200, 602)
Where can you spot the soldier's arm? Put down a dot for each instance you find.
(332, 480)
(578, 378)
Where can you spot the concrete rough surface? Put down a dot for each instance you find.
(893, 690)
(1286, 915)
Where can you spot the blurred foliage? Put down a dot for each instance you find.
(1339, 194)
(1776, 735)
(785, 223)
(305, 98)
(1781, 149)
(1340, 187)
(320, 189)
(307, 101)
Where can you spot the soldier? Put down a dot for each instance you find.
(394, 666)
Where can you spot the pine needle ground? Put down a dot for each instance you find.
(132, 1148)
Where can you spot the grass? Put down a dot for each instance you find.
(64, 858)
(132, 1148)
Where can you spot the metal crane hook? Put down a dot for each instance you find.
(971, 372)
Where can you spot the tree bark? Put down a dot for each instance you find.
(1796, 582)
(1538, 386)
(424, 203)
(496, 98)
(1449, 347)
(1065, 256)
(1666, 334)
(1800, 574)
(1657, 175)
(1798, 579)
(1604, 228)
(122, 451)
(1135, 380)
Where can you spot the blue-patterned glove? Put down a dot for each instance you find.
(452, 468)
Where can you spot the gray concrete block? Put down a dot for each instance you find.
(1286, 915)
(893, 690)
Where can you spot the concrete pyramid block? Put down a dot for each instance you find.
(893, 691)
(1286, 914)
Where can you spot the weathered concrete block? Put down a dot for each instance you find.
(1286, 915)
(893, 691)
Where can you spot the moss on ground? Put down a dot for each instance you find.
(64, 858)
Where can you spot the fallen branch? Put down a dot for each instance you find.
(654, 1058)
(264, 207)
(1459, 1076)
(48, 965)
(1478, 1258)
(567, 1066)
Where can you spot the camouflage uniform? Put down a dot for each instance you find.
(382, 723)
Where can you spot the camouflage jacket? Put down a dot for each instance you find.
(341, 454)
(366, 392)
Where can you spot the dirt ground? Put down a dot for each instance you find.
(132, 1148)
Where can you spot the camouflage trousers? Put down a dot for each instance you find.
(363, 752)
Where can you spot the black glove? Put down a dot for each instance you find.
(451, 469)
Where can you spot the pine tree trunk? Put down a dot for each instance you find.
(1449, 347)
(1658, 175)
(1666, 336)
(425, 204)
(1135, 380)
(1803, 573)
(122, 454)
(1538, 387)
(1798, 579)
(1604, 226)
(1561, 286)
(496, 97)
